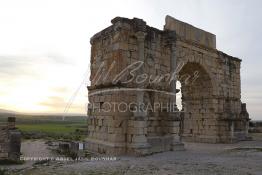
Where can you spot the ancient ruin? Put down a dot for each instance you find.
(10, 141)
(134, 66)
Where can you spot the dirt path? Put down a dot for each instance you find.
(35, 148)
(198, 159)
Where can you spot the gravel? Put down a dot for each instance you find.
(243, 158)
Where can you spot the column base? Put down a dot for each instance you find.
(179, 146)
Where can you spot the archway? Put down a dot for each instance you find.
(197, 104)
(179, 96)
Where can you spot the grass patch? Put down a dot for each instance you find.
(53, 130)
(50, 127)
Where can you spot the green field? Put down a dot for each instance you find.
(51, 127)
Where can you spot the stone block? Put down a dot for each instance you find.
(139, 139)
(136, 131)
(140, 124)
(174, 130)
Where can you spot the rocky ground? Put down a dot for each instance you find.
(243, 158)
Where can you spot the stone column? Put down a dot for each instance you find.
(232, 128)
(141, 55)
(174, 118)
(246, 128)
(138, 126)
(245, 117)
(14, 146)
(172, 43)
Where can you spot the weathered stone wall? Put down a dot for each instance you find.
(190, 33)
(10, 141)
(213, 96)
(212, 101)
(114, 49)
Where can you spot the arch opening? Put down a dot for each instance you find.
(196, 102)
(179, 96)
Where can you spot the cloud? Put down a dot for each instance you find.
(29, 65)
(54, 102)
(58, 104)
(15, 65)
(60, 89)
(58, 58)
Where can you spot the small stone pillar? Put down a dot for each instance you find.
(14, 145)
(11, 122)
(245, 117)
(232, 130)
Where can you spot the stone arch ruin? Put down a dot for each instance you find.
(132, 96)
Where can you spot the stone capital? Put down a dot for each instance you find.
(171, 39)
(140, 36)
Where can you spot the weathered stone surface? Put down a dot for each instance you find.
(190, 32)
(210, 89)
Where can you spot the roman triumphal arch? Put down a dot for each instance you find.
(132, 96)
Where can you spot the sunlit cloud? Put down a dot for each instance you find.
(56, 103)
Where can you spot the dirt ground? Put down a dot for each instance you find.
(243, 158)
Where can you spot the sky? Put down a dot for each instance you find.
(45, 45)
